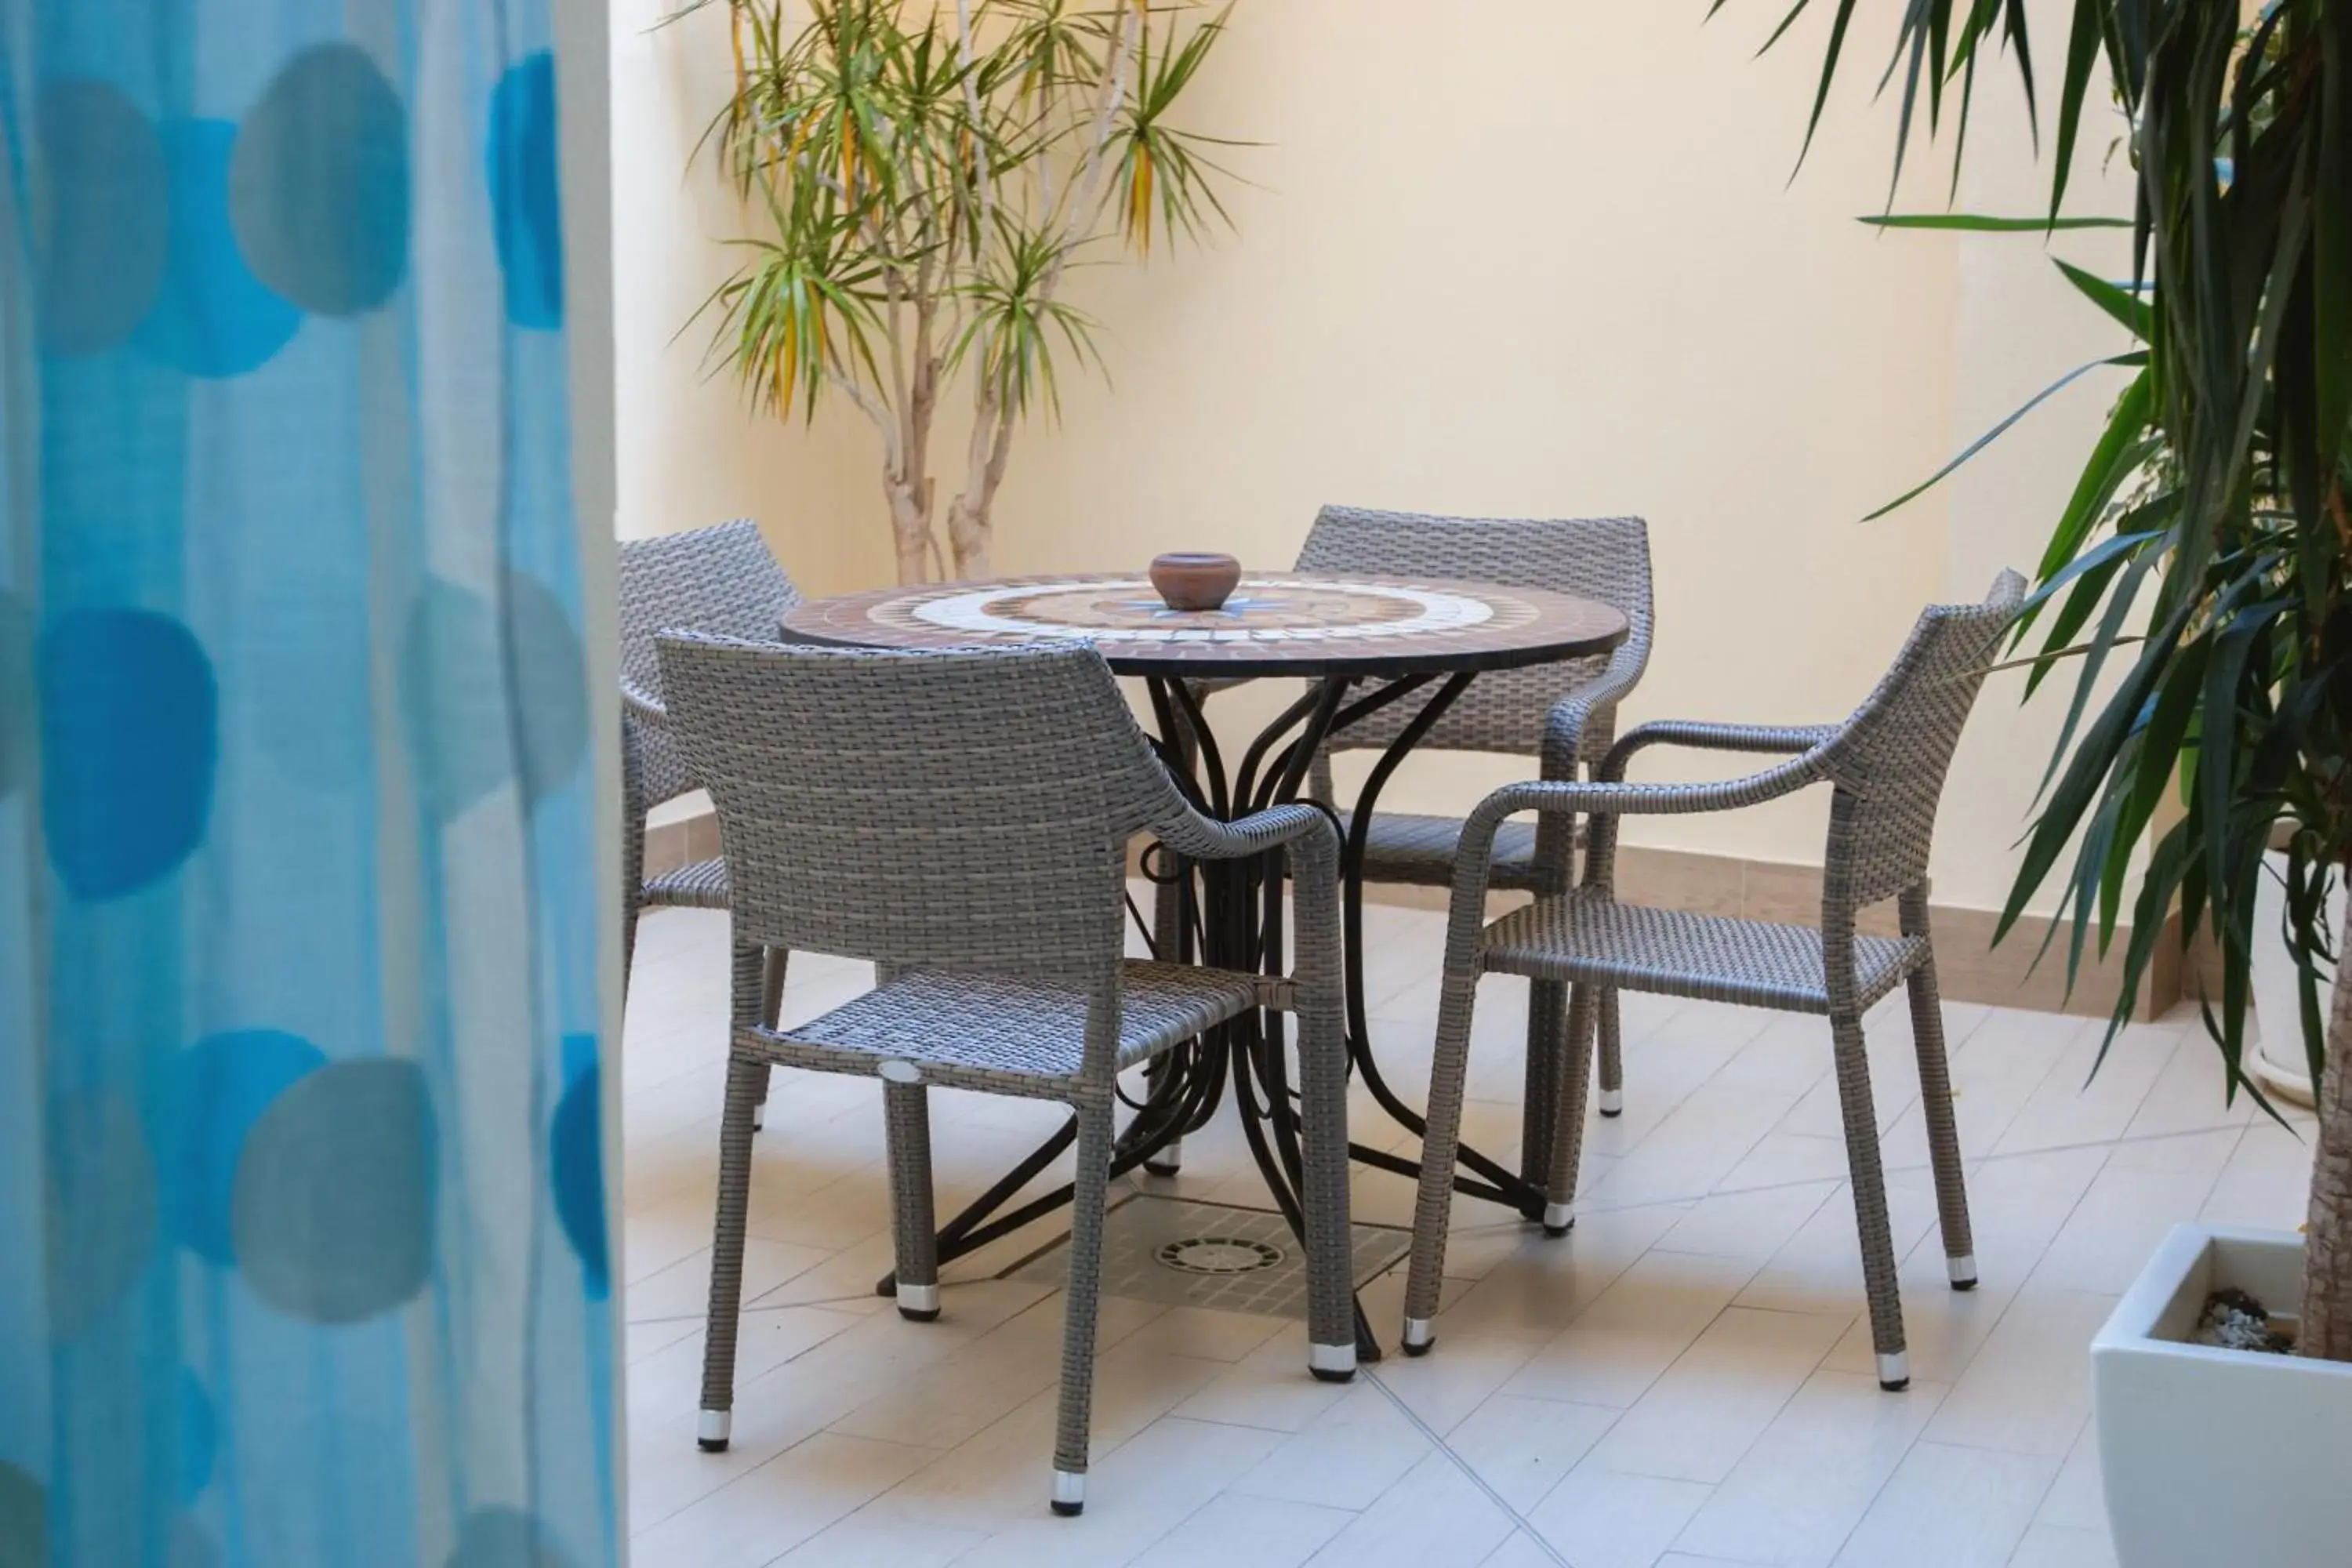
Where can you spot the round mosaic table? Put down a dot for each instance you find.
(1398, 639)
(1289, 624)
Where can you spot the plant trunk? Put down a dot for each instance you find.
(973, 535)
(910, 527)
(2327, 1331)
(971, 531)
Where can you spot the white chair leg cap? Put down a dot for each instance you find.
(1332, 1363)
(1612, 1102)
(1558, 1218)
(1419, 1335)
(1894, 1370)
(1069, 1491)
(919, 1304)
(712, 1430)
(1963, 1270)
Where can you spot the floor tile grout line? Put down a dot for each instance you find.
(748, 1307)
(1904, 1458)
(2043, 1499)
(1961, 1371)
(1518, 1520)
(1605, 1206)
(2106, 1143)
(661, 1100)
(831, 1428)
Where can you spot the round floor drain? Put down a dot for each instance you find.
(1218, 1255)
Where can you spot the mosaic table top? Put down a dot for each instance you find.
(1289, 623)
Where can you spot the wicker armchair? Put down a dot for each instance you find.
(1887, 763)
(1562, 714)
(719, 580)
(961, 819)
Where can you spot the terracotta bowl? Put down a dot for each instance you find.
(1189, 581)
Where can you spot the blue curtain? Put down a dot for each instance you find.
(303, 1226)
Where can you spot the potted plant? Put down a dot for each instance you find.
(2207, 551)
(923, 178)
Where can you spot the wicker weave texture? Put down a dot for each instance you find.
(719, 580)
(1562, 714)
(1510, 710)
(697, 884)
(1587, 935)
(960, 818)
(1887, 764)
(852, 846)
(1401, 847)
(981, 1029)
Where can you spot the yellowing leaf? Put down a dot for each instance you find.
(1138, 209)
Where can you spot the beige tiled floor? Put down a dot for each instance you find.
(1685, 1382)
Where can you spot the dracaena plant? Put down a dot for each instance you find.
(921, 178)
(2203, 559)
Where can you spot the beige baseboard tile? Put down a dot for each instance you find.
(670, 845)
(1969, 966)
(1973, 970)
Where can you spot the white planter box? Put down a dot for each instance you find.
(2217, 1459)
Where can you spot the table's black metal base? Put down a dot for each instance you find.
(1230, 915)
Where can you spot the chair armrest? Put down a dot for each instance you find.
(1202, 837)
(1571, 724)
(1614, 798)
(1763, 738)
(638, 705)
(1604, 802)
(1313, 842)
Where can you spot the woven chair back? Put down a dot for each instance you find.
(719, 580)
(1890, 760)
(1603, 558)
(967, 809)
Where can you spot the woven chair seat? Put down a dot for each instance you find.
(1419, 850)
(701, 885)
(1586, 937)
(977, 1028)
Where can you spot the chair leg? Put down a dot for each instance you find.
(1078, 1327)
(907, 1115)
(1612, 1061)
(771, 1010)
(743, 1076)
(1943, 1133)
(1168, 1160)
(1169, 941)
(628, 945)
(633, 865)
(1878, 1273)
(1323, 1117)
(1440, 1141)
(1540, 1103)
(1568, 1138)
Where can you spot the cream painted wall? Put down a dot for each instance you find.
(1503, 257)
(689, 451)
